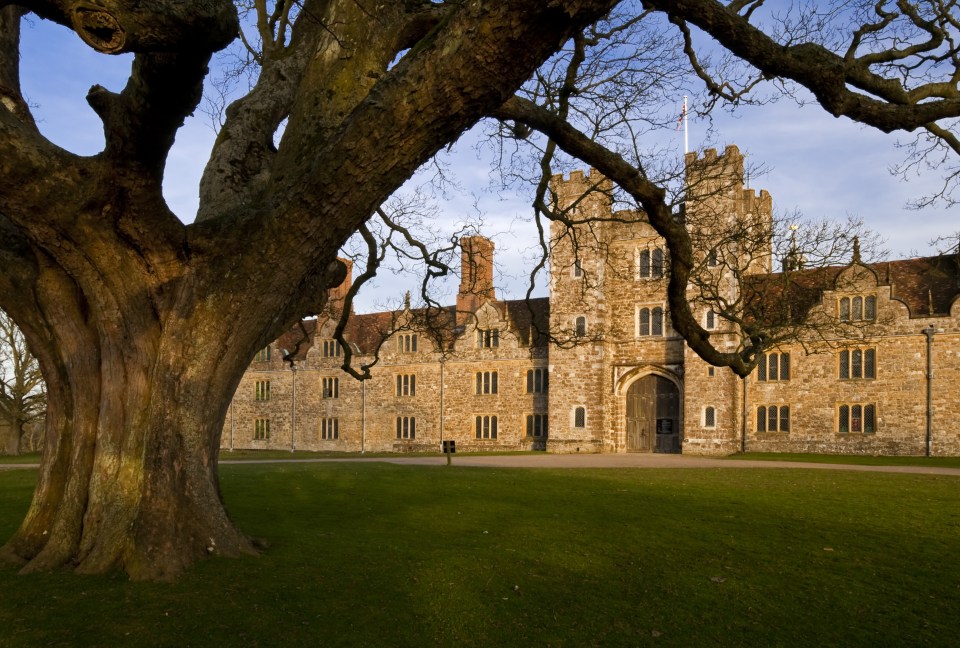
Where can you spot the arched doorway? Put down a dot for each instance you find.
(653, 416)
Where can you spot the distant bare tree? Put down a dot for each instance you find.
(23, 397)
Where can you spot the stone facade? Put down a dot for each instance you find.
(596, 367)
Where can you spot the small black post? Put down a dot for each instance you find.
(449, 447)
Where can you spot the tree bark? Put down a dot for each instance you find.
(136, 408)
(143, 326)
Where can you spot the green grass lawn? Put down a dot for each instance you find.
(384, 555)
(273, 455)
(856, 460)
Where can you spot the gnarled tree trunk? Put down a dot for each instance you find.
(143, 326)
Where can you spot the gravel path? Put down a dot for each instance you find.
(632, 460)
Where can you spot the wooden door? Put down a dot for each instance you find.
(668, 416)
(641, 415)
(653, 416)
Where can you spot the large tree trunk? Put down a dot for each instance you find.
(144, 326)
(136, 406)
(142, 346)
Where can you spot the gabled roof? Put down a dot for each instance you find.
(927, 285)
(366, 331)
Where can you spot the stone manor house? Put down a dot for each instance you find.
(613, 376)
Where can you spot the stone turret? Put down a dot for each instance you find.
(717, 200)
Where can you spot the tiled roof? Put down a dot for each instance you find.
(927, 285)
(366, 331)
(298, 341)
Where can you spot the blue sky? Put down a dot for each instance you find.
(822, 166)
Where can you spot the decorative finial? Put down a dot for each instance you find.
(793, 260)
(406, 300)
(856, 249)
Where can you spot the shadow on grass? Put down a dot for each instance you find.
(376, 554)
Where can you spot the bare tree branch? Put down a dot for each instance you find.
(132, 26)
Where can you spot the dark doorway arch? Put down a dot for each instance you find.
(653, 416)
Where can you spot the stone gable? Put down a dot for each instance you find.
(612, 375)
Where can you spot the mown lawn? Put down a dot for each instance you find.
(383, 555)
(856, 460)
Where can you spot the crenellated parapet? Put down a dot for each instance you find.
(715, 170)
(588, 192)
(754, 203)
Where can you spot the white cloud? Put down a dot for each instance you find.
(820, 165)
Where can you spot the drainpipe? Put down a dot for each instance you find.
(442, 364)
(293, 409)
(363, 416)
(744, 417)
(929, 332)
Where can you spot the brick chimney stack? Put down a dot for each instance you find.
(476, 274)
(336, 296)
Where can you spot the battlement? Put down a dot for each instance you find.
(754, 203)
(579, 183)
(576, 176)
(732, 159)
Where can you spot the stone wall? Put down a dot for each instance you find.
(605, 273)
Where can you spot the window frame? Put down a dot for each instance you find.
(855, 417)
(857, 363)
(710, 320)
(487, 383)
(710, 417)
(406, 385)
(488, 338)
(857, 308)
(774, 366)
(330, 428)
(650, 262)
(261, 429)
(329, 387)
(406, 428)
(407, 342)
(538, 380)
(486, 427)
(580, 326)
(651, 320)
(580, 417)
(330, 348)
(773, 419)
(537, 426)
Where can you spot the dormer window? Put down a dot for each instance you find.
(331, 349)
(407, 343)
(858, 308)
(488, 338)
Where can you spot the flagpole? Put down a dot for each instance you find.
(686, 128)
